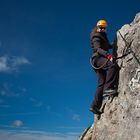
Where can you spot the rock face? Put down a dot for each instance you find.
(121, 117)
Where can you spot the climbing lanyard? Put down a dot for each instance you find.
(128, 50)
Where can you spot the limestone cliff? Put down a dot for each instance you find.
(121, 117)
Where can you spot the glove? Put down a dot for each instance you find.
(110, 57)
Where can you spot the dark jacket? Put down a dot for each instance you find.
(100, 44)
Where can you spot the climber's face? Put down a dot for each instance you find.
(101, 29)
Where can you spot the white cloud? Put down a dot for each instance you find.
(9, 64)
(17, 123)
(35, 135)
(4, 64)
(19, 61)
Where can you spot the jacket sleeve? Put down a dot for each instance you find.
(97, 47)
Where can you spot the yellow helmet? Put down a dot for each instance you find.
(102, 23)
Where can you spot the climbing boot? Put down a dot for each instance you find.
(109, 92)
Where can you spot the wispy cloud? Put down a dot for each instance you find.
(11, 127)
(11, 90)
(39, 104)
(36, 102)
(17, 123)
(5, 106)
(76, 117)
(48, 108)
(71, 127)
(10, 64)
(16, 61)
(1, 101)
(19, 114)
(36, 135)
(51, 111)
(73, 114)
(9, 93)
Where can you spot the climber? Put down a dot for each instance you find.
(102, 62)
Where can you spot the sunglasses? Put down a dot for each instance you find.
(102, 28)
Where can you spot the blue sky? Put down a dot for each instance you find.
(46, 81)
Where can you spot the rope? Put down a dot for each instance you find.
(97, 68)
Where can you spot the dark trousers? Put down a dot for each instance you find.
(107, 78)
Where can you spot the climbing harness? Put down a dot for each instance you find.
(93, 58)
